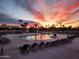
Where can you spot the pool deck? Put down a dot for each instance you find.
(66, 51)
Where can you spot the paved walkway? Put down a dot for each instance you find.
(67, 51)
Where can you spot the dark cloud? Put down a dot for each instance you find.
(50, 2)
(26, 4)
(77, 11)
(4, 16)
(7, 19)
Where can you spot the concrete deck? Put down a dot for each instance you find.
(67, 51)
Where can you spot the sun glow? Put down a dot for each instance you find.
(56, 14)
(46, 23)
(44, 12)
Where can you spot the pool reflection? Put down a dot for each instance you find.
(36, 37)
(42, 37)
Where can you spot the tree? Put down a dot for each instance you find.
(35, 31)
(20, 20)
(70, 27)
(20, 23)
(25, 24)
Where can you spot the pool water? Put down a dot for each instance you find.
(42, 37)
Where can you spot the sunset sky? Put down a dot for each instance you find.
(45, 12)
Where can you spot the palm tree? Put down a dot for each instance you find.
(25, 24)
(20, 22)
(35, 25)
(35, 31)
